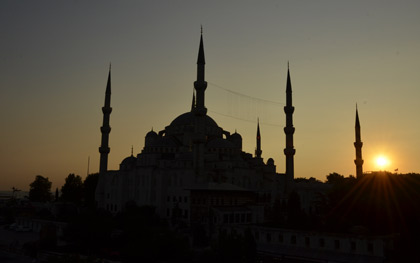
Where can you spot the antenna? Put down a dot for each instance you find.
(88, 166)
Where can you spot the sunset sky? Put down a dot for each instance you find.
(55, 56)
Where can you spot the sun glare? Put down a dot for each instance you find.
(382, 162)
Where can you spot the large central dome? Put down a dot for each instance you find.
(187, 119)
(186, 124)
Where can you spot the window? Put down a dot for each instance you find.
(321, 242)
(353, 246)
(268, 237)
(293, 239)
(337, 244)
(231, 218)
(248, 217)
(370, 247)
(307, 241)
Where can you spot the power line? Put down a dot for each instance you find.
(247, 108)
(241, 119)
(244, 95)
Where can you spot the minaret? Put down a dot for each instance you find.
(289, 130)
(200, 84)
(358, 145)
(258, 150)
(199, 112)
(105, 129)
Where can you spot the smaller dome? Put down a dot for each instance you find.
(151, 134)
(236, 140)
(151, 137)
(128, 162)
(270, 162)
(236, 136)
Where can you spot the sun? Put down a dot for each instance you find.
(382, 162)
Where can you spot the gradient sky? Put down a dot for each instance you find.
(54, 64)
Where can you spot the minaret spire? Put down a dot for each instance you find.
(258, 150)
(105, 129)
(289, 130)
(193, 102)
(200, 84)
(358, 146)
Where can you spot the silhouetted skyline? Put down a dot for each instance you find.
(55, 60)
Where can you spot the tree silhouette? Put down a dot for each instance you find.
(40, 189)
(72, 190)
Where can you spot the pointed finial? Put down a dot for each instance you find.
(131, 150)
(288, 65)
(201, 60)
(152, 128)
(201, 29)
(357, 117)
(258, 128)
(109, 66)
(193, 102)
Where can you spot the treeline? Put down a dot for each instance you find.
(75, 190)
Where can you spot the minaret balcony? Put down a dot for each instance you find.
(200, 85)
(359, 162)
(289, 151)
(106, 110)
(105, 129)
(104, 149)
(358, 144)
(289, 109)
(289, 130)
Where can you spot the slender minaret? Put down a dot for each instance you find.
(105, 129)
(358, 145)
(200, 84)
(199, 111)
(289, 130)
(258, 150)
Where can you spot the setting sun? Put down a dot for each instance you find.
(381, 162)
